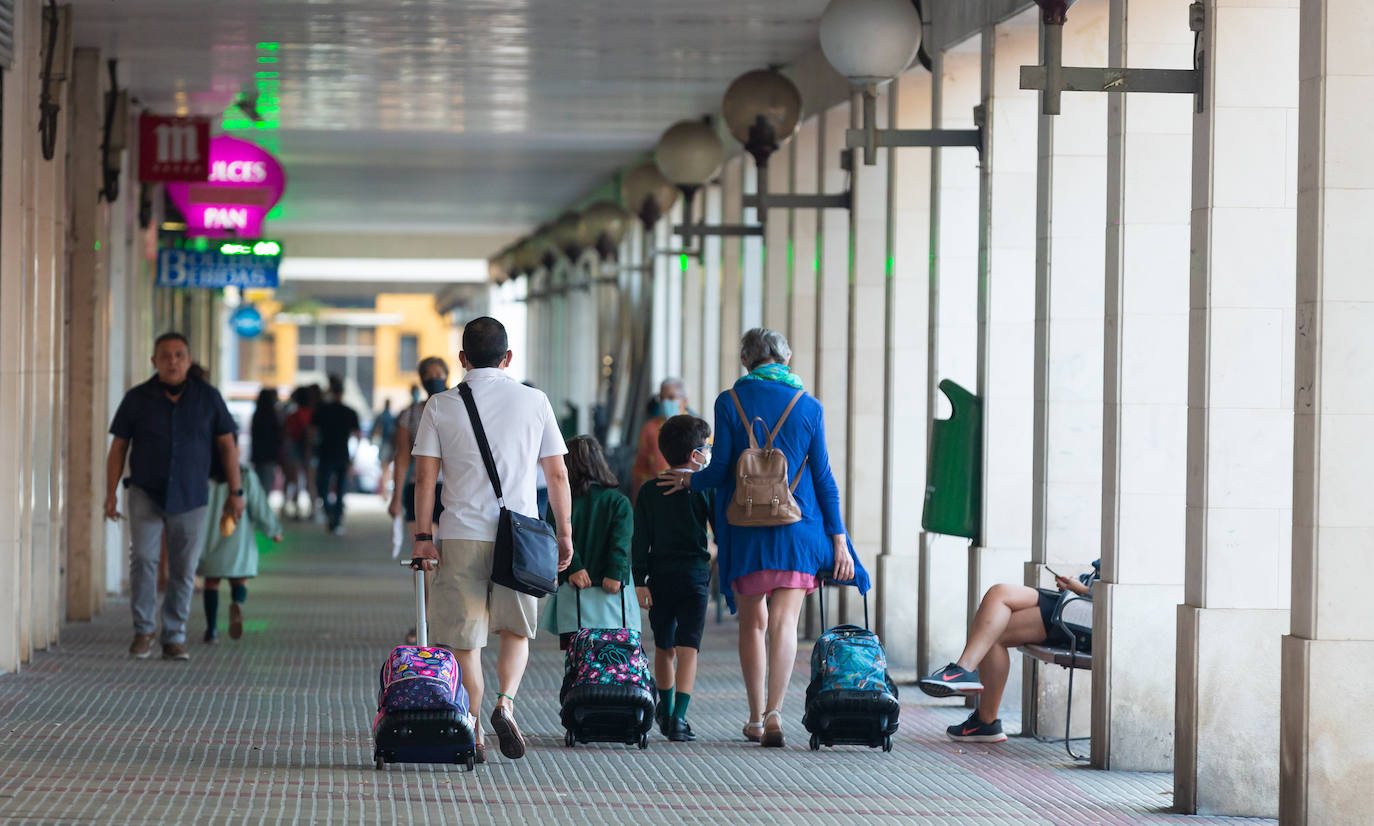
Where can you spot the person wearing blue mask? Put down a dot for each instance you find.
(649, 462)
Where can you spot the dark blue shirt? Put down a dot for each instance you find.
(171, 442)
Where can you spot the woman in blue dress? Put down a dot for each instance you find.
(766, 572)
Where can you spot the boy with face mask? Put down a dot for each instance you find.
(671, 557)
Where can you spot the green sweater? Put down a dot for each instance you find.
(602, 524)
(670, 532)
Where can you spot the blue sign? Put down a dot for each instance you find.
(216, 268)
(247, 321)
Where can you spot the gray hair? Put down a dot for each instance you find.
(672, 382)
(760, 346)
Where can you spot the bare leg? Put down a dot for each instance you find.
(1025, 627)
(783, 610)
(510, 666)
(471, 663)
(753, 624)
(686, 669)
(665, 665)
(991, 621)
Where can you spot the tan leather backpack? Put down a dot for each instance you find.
(763, 496)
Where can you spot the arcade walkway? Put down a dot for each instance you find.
(273, 729)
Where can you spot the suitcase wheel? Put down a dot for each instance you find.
(643, 741)
(471, 762)
(570, 739)
(887, 743)
(380, 763)
(815, 742)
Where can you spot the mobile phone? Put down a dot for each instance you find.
(1053, 572)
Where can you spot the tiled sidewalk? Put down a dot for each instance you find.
(274, 729)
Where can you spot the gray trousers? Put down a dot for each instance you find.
(185, 538)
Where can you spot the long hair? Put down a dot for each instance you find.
(587, 466)
(265, 414)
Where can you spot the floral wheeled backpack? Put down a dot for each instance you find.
(607, 656)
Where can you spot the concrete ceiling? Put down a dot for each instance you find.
(443, 116)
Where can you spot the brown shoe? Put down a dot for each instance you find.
(512, 742)
(142, 646)
(175, 651)
(235, 621)
(772, 731)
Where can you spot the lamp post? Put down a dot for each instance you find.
(1052, 78)
(870, 42)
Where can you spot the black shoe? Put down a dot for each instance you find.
(662, 717)
(679, 731)
(211, 636)
(949, 681)
(975, 730)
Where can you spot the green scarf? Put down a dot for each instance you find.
(774, 372)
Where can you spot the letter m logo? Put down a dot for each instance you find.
(177, 143)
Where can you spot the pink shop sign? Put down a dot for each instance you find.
(245, 183)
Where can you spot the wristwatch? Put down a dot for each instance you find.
(238, 492)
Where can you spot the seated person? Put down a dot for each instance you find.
(1008, 616)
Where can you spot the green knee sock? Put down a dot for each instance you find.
(665, 700)
(680, 703)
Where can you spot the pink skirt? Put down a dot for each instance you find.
(764, 582)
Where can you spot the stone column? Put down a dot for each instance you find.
(87, 337)
(801, 305)
(906, 370)
(777, 242)
(953, 330)
(1327, 755)
(1070, 218)
(731, 271)
(1240, 415)
(751, 253)
(712, 340)
(1145, 414)
(833, 367)
(1006, 313)
(866, 491)
(694, 308)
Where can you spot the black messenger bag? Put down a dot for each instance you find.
(526, 554)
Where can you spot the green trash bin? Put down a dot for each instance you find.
(954, 474)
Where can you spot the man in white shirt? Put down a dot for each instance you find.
(465, 606)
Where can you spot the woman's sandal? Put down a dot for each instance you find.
(508, 734)
(753, 732)
(772, 737)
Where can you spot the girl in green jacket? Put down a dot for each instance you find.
(233, 557)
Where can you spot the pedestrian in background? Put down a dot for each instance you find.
(167, 429)
(334, 424)
(266, 432)
(233, 557)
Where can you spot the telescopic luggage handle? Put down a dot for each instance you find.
(829, 576)
(624, 623)
(421, 627)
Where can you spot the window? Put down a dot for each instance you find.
(410, 353)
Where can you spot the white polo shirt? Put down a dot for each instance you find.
(521, 430)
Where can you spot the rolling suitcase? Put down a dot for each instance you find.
(608, 693)
(850, 700)
(422, 707)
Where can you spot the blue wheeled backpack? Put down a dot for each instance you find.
(851, 700)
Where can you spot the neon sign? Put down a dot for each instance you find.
(245, 183)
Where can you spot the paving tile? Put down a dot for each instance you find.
(273, 729)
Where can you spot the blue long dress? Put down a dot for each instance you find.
(802, 546)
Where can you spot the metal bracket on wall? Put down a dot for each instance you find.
(870, 139)
(1053, 78)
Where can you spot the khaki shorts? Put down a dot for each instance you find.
(464, 607)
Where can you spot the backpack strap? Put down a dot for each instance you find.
(796, 480)
(786, 411)
(744, 420)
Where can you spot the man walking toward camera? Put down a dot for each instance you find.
(166, 428)
(465, 606)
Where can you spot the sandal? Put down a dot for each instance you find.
(753, 732)
(512, 741)
(772, 737)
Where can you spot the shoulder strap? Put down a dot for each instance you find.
(744, 420)
(482, 445)
(786, 411)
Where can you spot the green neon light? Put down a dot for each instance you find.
(267, 74)
(97, 245)
(682, 261)
(260, 248)
(267, 59)
(269, 47)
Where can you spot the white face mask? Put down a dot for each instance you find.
(704, 452)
